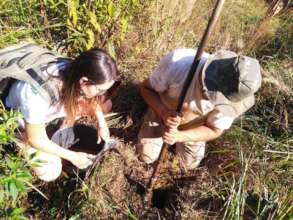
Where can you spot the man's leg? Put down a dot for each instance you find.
(150, 141)
(190, 154)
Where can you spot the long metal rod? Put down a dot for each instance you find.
(211, 24)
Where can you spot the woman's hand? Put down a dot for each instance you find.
(82, 160)
(103, 134)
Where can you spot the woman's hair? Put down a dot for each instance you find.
(95, 64)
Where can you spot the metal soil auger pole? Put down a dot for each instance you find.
(212, 22)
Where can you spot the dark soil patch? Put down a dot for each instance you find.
(161, 197)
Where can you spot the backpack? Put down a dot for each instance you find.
(27, 62)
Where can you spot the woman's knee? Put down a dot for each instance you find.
(49, 171)
(46, 166)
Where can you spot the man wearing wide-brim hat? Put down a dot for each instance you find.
(222, 89)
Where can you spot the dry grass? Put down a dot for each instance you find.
(239, 177)
(247, 173)
(244, 175)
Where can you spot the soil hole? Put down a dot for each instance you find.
(161, 197)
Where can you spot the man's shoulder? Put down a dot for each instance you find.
(236, 109)
(181, 56)
(184, 51)
(179, 53)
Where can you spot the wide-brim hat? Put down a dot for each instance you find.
(231, 79)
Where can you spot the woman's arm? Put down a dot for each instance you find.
(94, 108)
(102, 127)
(37, 138)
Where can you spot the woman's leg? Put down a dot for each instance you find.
(46, 166)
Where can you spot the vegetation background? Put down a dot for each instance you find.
(247, 173)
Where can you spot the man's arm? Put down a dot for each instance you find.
(172, 135)
(200, 133)
(151, 97)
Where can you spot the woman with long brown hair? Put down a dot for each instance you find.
(83, 86)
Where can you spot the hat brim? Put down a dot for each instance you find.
(216, 97)
(211, 91)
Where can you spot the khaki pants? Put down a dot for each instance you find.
(150, 143)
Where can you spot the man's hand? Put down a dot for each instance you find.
(171, 135)
(171, 118)
(171, 121)
(103, 134)
(82, 160)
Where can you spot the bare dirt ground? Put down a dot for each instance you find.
(119, 181)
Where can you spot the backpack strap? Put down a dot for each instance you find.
(36, 82)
